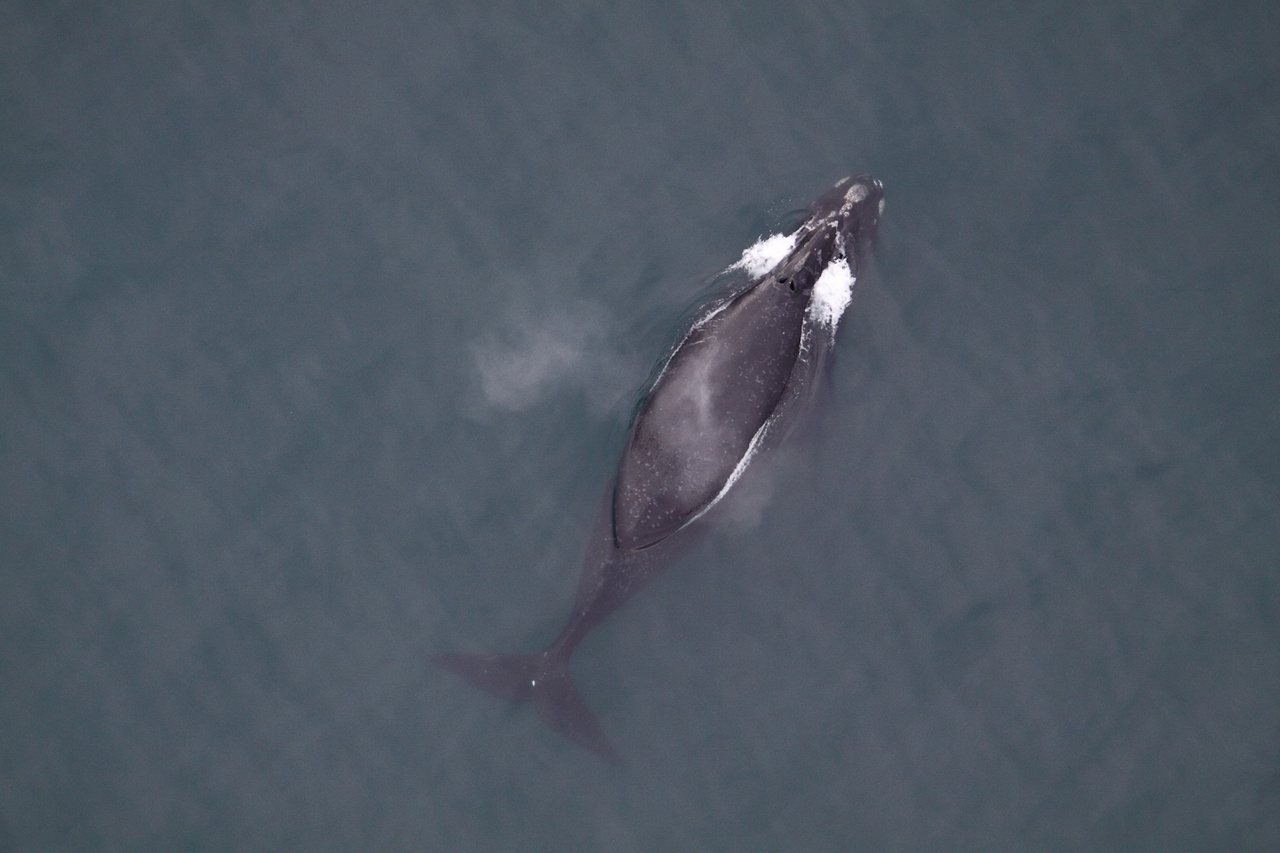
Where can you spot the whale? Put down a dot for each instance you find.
(738, 376)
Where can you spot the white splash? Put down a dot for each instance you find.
(765, 254)
(831, 293)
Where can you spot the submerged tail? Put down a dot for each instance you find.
(542, 678)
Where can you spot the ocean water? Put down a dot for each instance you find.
(321, 326)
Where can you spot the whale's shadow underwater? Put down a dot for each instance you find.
(729, 388)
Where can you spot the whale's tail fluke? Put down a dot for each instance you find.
(542, 678)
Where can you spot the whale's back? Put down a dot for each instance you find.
(720, 387)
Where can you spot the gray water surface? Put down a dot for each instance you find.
(320, 330)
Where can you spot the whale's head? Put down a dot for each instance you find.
(856, 204)
(841, 223)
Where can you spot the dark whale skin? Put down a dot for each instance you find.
(731, 381)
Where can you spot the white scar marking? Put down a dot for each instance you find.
(856, 193)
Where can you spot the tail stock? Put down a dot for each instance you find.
(542, 678)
